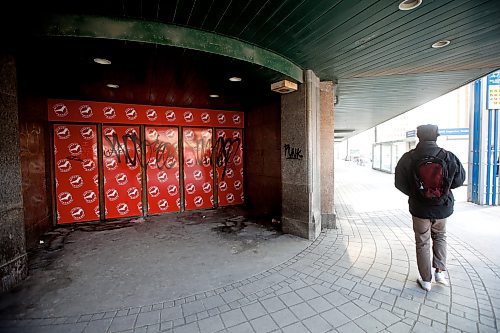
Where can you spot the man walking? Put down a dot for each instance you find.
(427, 174)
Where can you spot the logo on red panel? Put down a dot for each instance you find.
(112, 194)
(190, 188)
(230, 197)
(131, 114)
(63, 132)
(98, 212)
(109, 131)
(205, 117)
(132, 166)
(171, 162)
(86, 111)
(139, 178)
(206, 161)
(78, 213)
(236, 134)
(207, 187)
(109, 112)
(152, 163)
(188, 116)
(172, 190)
(229, 173)
(162, 176)
(87, 133)
(94, 149)
(152, 134)
(151, 114)
(170, 133)
(60, 110)
(237, 184)
(221, 134)
(64, 165)
(131, 131)
(221, 118)
(178, 202)
(206, 134)
(190, 162)
(163, 204)
(198, 201)
(189, 134)
(212, 200)
(139, 206)
(65, 198)
(197, 174)
(177, 175)
(154, 191)
(96, 179)
(75, 149)
(111, 164)
(236, 119)
(89, 196)
(237, 160)
(76, 181)
(121, 178)
(133, 193)
(170, 115)
(122, 208)
(223, 186)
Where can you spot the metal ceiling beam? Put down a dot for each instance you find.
(169, 35)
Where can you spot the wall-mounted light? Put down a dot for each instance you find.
(112, 85)
(284, 86)
(235, 79)
(102, 61)
(409, 4)
(440, 44)
(213, 96)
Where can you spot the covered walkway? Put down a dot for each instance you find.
(357, 278)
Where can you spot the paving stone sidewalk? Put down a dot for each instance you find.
(357, 278)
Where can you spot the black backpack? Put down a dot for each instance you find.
(430, 175)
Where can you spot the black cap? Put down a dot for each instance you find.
(427, 132)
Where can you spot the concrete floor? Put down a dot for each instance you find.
(357, 278)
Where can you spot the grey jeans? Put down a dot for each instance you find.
(426, 229)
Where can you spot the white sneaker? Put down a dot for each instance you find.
(425, 285)
(440, 278)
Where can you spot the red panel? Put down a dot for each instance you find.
(75, 153)
(122, 171)
(229, 161)
(115, 113)
(162, 158)
(198, 175)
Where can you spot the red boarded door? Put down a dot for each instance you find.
(162, 160)
(77, 189)
(229, 162)
(122, 171)
(198, 171)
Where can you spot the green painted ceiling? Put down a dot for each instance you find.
(380, 56)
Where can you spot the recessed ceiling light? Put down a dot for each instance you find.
(440, 44)
(214, 95)
(409, 4)
(235, 79)
(102, 61)
(112, 85)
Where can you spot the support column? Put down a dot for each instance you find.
(327, 155)
(301, 190)
(13, 261)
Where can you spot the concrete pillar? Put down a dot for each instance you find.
(301, 190)
(327, 155)
(13, 261)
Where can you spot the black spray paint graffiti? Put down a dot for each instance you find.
(293, 153)
(201, 150)
(226, 150)
(164, 153)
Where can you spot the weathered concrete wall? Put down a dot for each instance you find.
(327, 154)
(13, 263)
(301, 203)
(263, 158)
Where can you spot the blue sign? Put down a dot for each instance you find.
(493, 91)
(454, 131)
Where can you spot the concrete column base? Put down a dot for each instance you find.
(329, 221)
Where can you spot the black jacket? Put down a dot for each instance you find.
(404, 181)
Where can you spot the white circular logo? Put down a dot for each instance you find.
(151, 114)
(87, 133)
(236, 119)
(207, 187)
(221, 118)
(121, 178)
(170, 115)
(198, 201)
(163, 204)
(109, 131)
(130, 113)
(112, 194)
(229, 173)
(170, 133)
(89, 196)
(223, 186)
(60, 110)
(172, 190)
(133, 193)
(63, 132)
(65, 198)
(189, 134)
(152, 163)
(197, 174)
(237, 184)
(205, 117)
(190, 188)
(86, 111)
(190, 162)
(109, 112)
(154, 191)
(78, 213)
(236, 134)
(237, 160)
(76, 181)
(111, 164)
(162, 176)
(122, 208)
(152, 134)
(64, 165)
(230, 197)
(188, 116)
(75, 149)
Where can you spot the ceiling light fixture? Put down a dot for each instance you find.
(102, 61)
(235, 79)
(409, 4)
(440, 44)
(214, 96)
(112, 85)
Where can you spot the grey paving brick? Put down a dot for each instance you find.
(385, 317)
(123, 323)
(295, 328)
(400, 328)
(192, 308)
(189, 328)
(148, 318)
(317, 324)
(284, 317)
(407, 305)
(190, 319)
(364, 290)
(253, 310)
(303, 310)
(369, 323)
(320, 304)
(291, 299)
(384, 297)
(263, 324)
(233, 317)
(351, 310)
(211, 324)
(153, 328)
(335, 317)
(232, 295)
(350, 328)
(462, 323)
(423, 328)
(141, 330)
(273, 304)
(335, 298)
(98, 326)
(241, 328)
(171, 313)
(307, 293)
